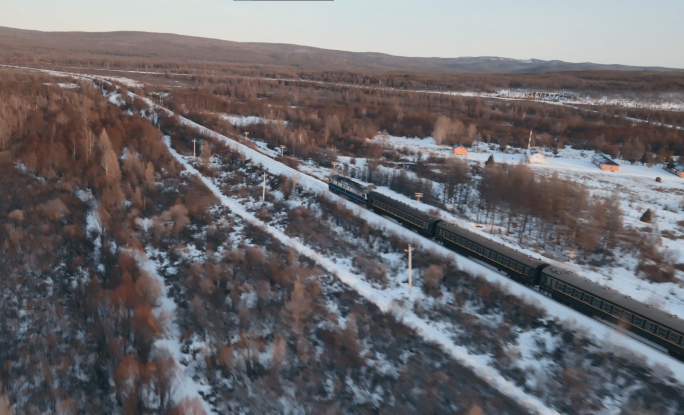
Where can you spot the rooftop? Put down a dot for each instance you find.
(603, 159)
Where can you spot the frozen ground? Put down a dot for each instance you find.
(601, 333)
(242, 121)
(636, 189)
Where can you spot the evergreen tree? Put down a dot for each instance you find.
(647, 216)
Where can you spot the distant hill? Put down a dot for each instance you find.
(165, 46)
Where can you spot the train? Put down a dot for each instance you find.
(651, 325)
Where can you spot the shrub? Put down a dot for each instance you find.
(432, 279)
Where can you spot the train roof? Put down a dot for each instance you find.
(349, 182)
(403, 206)
(511, 253)
(650, 312)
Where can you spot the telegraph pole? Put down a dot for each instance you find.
(409, 250)
(282, 150)
(334, 163)
(263, 193)
(194, 154)
(246, 133)
(418, 196)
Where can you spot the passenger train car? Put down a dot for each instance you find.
(656, 327)
(520, 267)
(421, 222)
(646, 321)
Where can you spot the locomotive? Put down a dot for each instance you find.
(653, 326)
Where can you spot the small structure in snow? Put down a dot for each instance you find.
(533, 155)
(677, 169)
(459, 150)
(605, 163)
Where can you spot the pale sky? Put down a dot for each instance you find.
(631, 32)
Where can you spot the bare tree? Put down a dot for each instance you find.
(441, 129)
(89, 136)
(298, 309)
(206, 153)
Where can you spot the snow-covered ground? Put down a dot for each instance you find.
(387, 300)
(242, 121)
(636, 188)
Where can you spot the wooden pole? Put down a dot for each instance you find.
(410, 251)
(194, 153)
(263, 194)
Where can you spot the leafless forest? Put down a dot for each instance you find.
(102, 227)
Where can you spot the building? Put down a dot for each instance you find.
(677, 169)
(605, 163)
(534, 156)
(459, 150)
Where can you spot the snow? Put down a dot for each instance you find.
(604, 335)
(478, 363)
(601, 333)
(242, 121)
(185, 385)
(637, 190)
(390, 302)
(65, 86)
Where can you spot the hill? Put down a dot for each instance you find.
(17, 43)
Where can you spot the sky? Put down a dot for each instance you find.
(630, 32)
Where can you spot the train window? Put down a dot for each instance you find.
(627, 316)
(486, 252)
(549, 281)
(499, 258)
(469, 244)
(480, 249)
(616, 312)
(568, 289)
(662, 332)
(519, 267)
(505, 261)
(578, 294)
(587, 298)
(649, 326)
(638, 321)
(596, 302)
(674, 337)
(492, 255)
(560, 286)
(606, 307)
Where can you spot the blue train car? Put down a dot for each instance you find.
(349, 189)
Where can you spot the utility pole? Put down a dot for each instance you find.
(246, 133)
(282, 150)
(418, 196)
(263, 193)
(409, 250)
(334, 163)
(194, 154)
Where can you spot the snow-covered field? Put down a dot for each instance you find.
(636, 188)
(631, 182)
